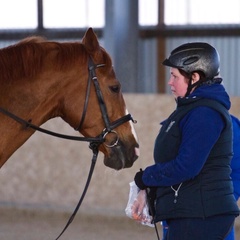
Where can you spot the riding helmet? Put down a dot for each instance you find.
(195, 56)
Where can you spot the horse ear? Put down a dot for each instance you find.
(90, 41)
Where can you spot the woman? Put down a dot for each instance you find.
(235, 174)
(193, 150)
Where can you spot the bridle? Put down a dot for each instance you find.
(94, 142)
(108, 126)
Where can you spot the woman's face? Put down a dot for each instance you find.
(178, 83)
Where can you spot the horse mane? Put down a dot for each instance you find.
(26, 58)
(34, 39)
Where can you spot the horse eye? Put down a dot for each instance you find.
(115, 88)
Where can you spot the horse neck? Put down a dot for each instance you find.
(25, 102)
(39, 98)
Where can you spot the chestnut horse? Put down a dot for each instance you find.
(41, 80)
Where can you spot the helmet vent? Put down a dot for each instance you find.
(190, 60)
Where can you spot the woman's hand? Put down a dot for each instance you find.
(138, 206)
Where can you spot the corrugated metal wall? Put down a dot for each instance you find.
(147, 66)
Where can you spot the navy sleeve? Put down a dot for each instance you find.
(235, 163)
(201, 129)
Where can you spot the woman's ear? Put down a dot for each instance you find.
(195, 77)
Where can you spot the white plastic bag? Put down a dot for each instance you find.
(137, 207)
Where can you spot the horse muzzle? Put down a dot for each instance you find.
(122, 155)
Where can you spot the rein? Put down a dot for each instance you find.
(94, 141)
(98, 139)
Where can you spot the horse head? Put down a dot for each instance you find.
(120, 148)
(43, 79)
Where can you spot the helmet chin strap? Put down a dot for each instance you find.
(201, 82)
(192, 86)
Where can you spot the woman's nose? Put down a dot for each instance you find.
(170, 81)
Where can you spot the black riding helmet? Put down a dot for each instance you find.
(193, 57)
(196, 56)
